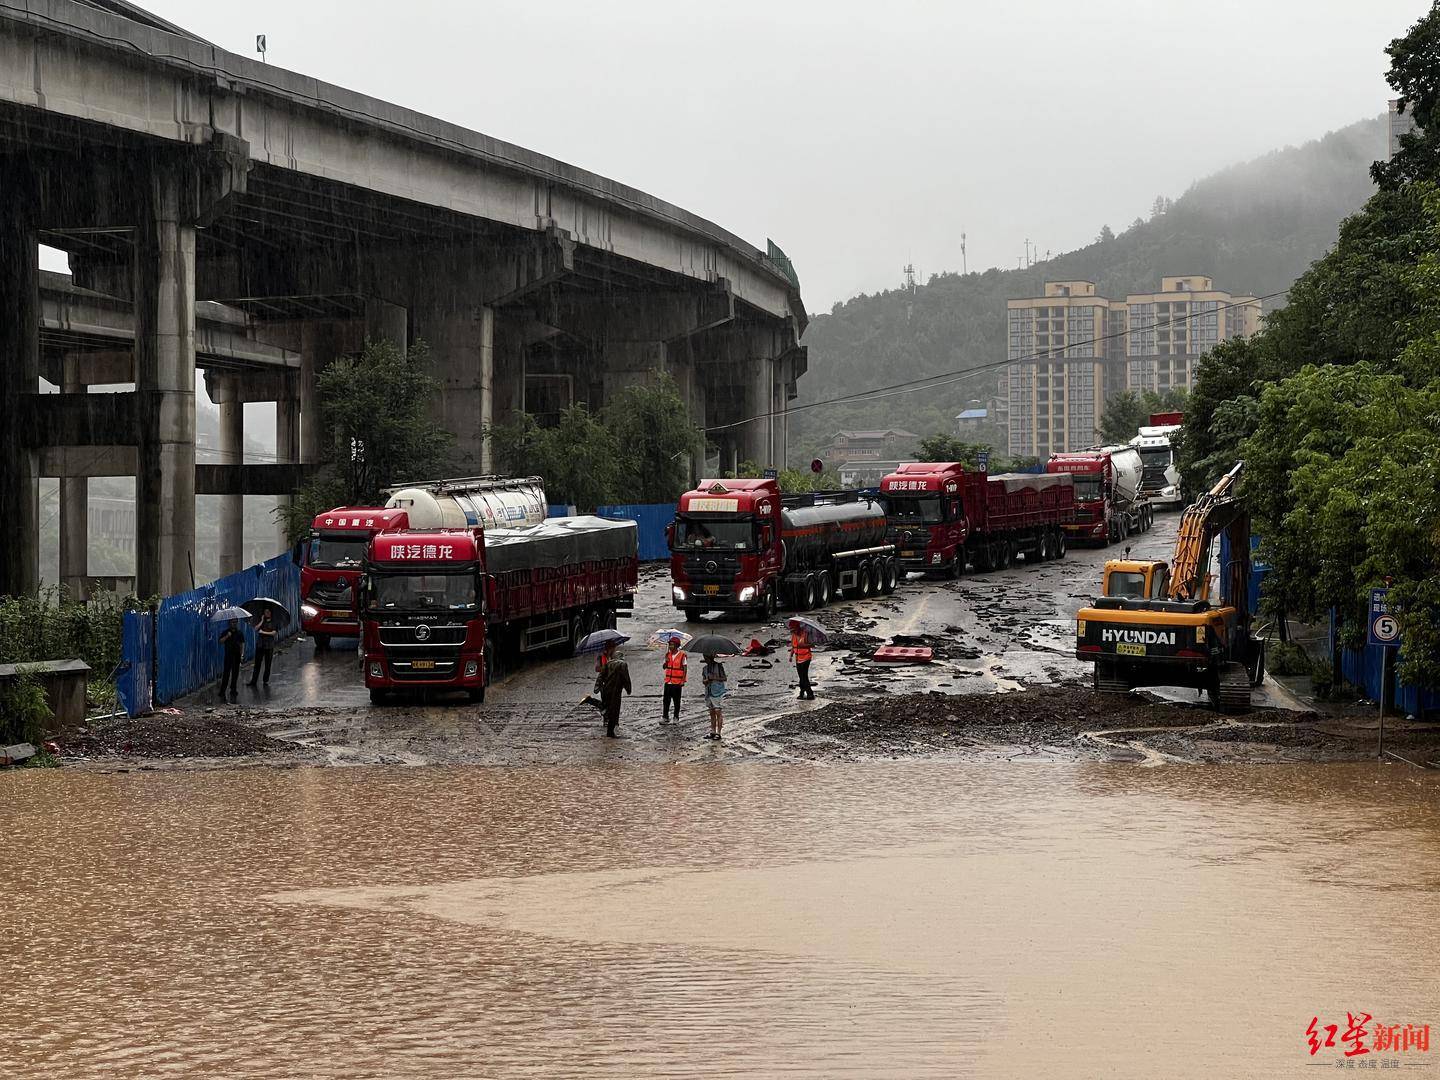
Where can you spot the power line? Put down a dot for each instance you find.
(945, 378)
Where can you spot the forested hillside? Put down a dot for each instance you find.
(1253, 227)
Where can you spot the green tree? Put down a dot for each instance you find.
(578, 458)
(942, 447)
(657, 439)
(375, 411)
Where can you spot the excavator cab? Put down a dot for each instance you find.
(1157, 624)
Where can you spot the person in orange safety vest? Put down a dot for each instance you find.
(675, 674)
(800, 652)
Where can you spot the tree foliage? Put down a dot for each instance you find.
(375, 412)
(1415, 77)
(652, 427)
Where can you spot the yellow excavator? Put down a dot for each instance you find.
(1154, 623)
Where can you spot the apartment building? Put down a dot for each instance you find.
(1072, 349)
(1170, 330)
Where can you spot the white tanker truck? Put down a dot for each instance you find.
(490, 502)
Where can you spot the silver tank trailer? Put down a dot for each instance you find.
(489, 502)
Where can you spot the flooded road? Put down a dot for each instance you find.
(698, 920)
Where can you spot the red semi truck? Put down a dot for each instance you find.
(1108, 503)
(739, 545)
(943, 517)
(330, 563)
(442, 609)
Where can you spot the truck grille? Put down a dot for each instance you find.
(429, 668)
(424, 636)
(714, 569)
(330, 594)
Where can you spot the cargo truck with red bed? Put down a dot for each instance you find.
(943, 517)
(446, 609)
(740, 546)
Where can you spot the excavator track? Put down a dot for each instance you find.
(1107, 682)
(1234, 688)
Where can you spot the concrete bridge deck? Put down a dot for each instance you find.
(259, 223)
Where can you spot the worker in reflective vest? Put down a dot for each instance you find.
(675, 674)
(800, 652)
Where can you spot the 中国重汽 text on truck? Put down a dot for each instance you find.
(942, 517)
(1108, 503)
(1154, 623)
(330, 557)
(739, 545)
(443, 609)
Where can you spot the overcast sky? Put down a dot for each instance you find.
(860, 136)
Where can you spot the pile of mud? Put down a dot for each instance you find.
(171, 735)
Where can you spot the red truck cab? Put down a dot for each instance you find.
(725, 547)
(924, 502)
(331, 560)
(423, 604)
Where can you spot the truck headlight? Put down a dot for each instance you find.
(1169, 491)
(747, 593)
(471, 669)
(1079, 627)
(376, 671)
(308, 611)
(677, 592)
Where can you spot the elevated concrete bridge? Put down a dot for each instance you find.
(258, 224)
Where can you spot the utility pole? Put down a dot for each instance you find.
(910, 287)
(964, 266)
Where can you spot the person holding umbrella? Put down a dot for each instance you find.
(233, 641)
(713, 676)
(614, 679)
(265, 636)
(675, 675)
(804, 633)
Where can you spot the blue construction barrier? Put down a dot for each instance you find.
(558, 510)
(184, 648)
(650, 522)
(1365, 668)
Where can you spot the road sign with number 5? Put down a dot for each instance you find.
(1384, 620)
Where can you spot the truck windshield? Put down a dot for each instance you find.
(1087, 486)
(342, 552)
(692, 535)
(428, 592)
(1155, 457)
(926, 511)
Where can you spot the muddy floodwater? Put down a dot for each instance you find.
(874, 919)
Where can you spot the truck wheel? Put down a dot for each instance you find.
(476, 694)
(1060, 543)
(322, 642)
(809, 593)
(692, 614)
(1114, 533)
(864, 583)
(823, 592)
(1004, 555)
(379, 697)
(767, 609)
(1044, 551)
(891, 577)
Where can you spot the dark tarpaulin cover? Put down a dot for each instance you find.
(557, 542)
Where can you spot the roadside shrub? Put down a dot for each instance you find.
(24, 712)
(1288, 658)
(53, 627)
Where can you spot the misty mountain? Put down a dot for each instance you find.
(1253, 227)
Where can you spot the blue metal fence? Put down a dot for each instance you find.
(1365, 667)
(184, 648)
(650, 522)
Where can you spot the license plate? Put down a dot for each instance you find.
(423, 665)
(908, 554)
(337, 615)
(712, 590)
(1125, 649)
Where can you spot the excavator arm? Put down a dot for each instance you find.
(1204, 519)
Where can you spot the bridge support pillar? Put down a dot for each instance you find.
(758, 435)
(287, 446)
(74, 506)
(231, 452)
(461, 337)
(19, 382)
(385, 321)
(165, 379)
(319, 346)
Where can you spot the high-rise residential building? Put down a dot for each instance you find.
(1170, 330)
(1072, 349)
(1399, 123)
(1059, 347)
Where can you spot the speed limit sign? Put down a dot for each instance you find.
(1384, 620)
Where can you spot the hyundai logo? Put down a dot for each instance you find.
(422, 632)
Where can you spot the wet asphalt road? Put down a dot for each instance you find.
(996, 631)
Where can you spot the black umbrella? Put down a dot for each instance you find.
(279, 613)
(714, 645)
